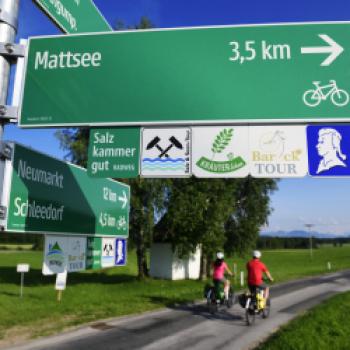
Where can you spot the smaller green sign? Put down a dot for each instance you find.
(114, 153)
(93, 253)
(50, 196)
(75, 16)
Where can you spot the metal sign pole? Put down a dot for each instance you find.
(8, 29)
(22, 282)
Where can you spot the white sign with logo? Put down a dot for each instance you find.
(108, 252)
(55, 259)
(278, 151)
(166, 152)
(64, 253)
(76, 254)
(220, 151)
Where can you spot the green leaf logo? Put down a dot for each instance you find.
(222, 140)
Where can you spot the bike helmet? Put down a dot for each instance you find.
(220, 255)
(256, 254)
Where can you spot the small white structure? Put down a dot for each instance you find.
(166, 264)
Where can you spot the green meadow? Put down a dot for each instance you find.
(93, 295)
(324, 327)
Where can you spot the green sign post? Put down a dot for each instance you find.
(277, 73)
(75, 16)
(114, 152)
(93, 253)
(50, 196)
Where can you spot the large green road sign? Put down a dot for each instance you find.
(46, 195)
(201, 75)
(75, 16)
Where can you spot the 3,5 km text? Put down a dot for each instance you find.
(250, 50)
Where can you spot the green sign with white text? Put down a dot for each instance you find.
(51, 196)
(75, 16)
(93, 253)
(114, 152)
(258, 73)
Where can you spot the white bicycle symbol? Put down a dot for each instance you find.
(338, 97)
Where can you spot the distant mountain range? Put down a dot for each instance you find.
(304, 234)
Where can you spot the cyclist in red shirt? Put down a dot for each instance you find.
(256, 269)
(219, 269)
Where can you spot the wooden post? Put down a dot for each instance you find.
(59, 296)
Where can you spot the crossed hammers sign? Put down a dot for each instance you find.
(164, 152)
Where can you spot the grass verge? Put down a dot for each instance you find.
(324, 327)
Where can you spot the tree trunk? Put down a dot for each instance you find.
(209, 263)
(141, 256)
(203, 268)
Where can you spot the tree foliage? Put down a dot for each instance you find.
(218, 214)
(252, 211)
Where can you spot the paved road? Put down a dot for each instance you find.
(192, 327)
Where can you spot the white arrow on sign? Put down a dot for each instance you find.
(334, 49)
(123, 199)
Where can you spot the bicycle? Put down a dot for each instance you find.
(215, 296)
(338, 97)
(256, 304)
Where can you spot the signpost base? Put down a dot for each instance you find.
(59, 296)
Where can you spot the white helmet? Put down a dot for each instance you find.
(256, 254)
(220, 255)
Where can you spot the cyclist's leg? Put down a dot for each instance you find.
(266, 290)
(219, 287)
(226, 288)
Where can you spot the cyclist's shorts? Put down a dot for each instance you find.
(253, 288)
(222, 280)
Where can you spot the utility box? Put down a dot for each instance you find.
(166, 264)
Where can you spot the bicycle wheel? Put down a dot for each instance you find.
(231, 299)
(312, 98)
(250, 314)
(211, 301)
(267, 308)
(340, 98)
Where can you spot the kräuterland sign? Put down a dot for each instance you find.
(50, 196)
(220, 151)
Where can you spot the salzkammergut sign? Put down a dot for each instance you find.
(292, 72)
(75, 16)
(46, 195)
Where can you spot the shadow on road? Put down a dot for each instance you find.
(223, 312)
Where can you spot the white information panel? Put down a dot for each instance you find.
(220, 151)
(64, 253)
(108, 252)
(278, 151)
(166, 152)
(61, 281)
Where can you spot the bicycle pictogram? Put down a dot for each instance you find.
(338, 97)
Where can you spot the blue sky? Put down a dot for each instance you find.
(323, 202)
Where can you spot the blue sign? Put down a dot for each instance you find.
(120, 252)
(329, 150)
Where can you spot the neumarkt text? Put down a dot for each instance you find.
(39, 175)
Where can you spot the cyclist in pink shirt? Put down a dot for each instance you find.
(219, 269)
